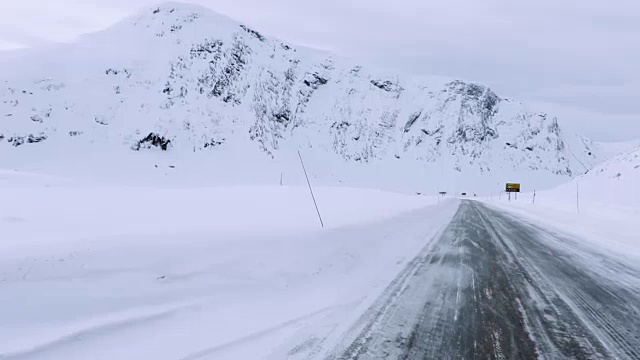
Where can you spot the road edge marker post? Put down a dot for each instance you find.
(310, 189)
(578, 196)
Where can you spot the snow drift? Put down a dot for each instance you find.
(615, 182)
(174, 273)
(601, 207)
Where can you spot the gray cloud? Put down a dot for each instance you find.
(578, 54)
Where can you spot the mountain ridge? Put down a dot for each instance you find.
(179, 77)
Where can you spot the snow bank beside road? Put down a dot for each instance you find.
(611, 229)
(609, 205)
(224, 273)
(40, 215)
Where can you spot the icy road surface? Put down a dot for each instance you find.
(496, 287)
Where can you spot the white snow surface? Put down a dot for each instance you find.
(611, 149)
(611, 230)
(242, 272)
(614, 184)
(207, 87)
(601, 207)
(112, 248)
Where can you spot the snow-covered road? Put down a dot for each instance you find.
(453, 280)
(493, 286)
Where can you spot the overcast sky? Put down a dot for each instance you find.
(580, 58)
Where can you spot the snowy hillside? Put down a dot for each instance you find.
(183, 79)
(615, 182)
(606, 214)
(611, 149)
(610, 190)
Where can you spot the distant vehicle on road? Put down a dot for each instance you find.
(464, 194)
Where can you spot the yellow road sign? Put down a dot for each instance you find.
(513, 187)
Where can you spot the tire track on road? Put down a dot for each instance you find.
(495, 287)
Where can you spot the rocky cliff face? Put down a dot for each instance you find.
(180, 78)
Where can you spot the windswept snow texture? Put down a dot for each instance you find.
(601, 207)
(200, 273)
(611, 186)
(181, 78)
(615, 182)
(495, 287)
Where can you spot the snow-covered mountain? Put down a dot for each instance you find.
(183, 79)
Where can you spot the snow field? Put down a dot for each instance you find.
(169, 273)
(608, 226)
(609, 229)
(601, 206)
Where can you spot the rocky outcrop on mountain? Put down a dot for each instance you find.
(181, 78)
